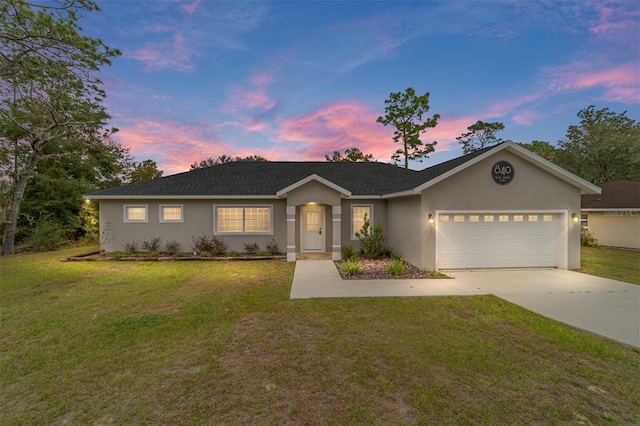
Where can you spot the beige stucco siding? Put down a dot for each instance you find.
(198, 220)
(406, 229)
(532, 189)
(615, 228)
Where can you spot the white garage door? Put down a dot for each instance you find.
(497, 240)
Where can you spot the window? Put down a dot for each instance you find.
(503, 218)
(243, 220)
(458, 218)
(547, 218)
(135, 214)
(474, 218)
(443, 218)
(584, 220)
(358, 214)
(488, 218)
(518, 218)
(533, 218)
(170, 214)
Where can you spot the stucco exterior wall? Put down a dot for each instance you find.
(198, 220)
(406, 229)
(379, 216)
(615, 228)
(532, 189)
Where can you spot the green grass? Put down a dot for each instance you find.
(221, 343)
(623, 265)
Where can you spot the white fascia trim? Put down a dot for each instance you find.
(616, 209)
(585, 187)
(365, 197)
(316, 178)
(400, 194)
(180, 197)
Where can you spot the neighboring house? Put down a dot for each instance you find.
(502, 206)
(613, 217)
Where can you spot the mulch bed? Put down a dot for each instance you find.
(375, 269)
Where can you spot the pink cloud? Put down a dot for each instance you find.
(174, 146)
(176, 54)
(241, 98)
(190, 8)
(335, 127)
(622, 83)
(506, 107)
(617, 21)
(526, 117)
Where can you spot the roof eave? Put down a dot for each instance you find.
(344, 192)
(179, 197)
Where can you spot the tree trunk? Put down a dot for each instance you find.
(11, 221)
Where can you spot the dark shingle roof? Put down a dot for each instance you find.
(617, 194)
(268, 177)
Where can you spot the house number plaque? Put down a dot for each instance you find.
(502, 172)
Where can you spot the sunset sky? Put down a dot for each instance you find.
(298, 80)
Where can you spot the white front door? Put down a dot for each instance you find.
(312, 229)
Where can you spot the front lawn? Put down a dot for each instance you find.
(221, 343)
(623, 265)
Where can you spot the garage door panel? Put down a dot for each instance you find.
(497, 244)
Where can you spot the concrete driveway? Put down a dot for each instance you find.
(606, 307)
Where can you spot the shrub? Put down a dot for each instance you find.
(153, 254)
(587, 239)
(206, 254)
(348, 252)
(264, 253)
(172, 247)
(213, 244)
(351, 267)
(251, 248)
(46, 235)
(131, 247)
(233, 253)
(395, 266)
(273, 248)
(151, 246)
(373, 243)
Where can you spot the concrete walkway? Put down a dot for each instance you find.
(606, 307)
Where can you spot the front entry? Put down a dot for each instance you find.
(312, 229)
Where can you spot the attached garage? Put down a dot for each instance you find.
(500, 239)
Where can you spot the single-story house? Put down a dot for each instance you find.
(613, 217)
(502, 206)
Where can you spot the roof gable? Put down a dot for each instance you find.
(441, 173)
(316, 178)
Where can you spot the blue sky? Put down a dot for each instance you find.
(298, 80)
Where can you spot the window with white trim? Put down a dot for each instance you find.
(584, 220)
(135, 213)
(458, 218)
(443, 218)
(533, 218)
(518, 218)
(503, 218)
(171, 213)
(243, 220)
(488, 218)
(358, 216)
